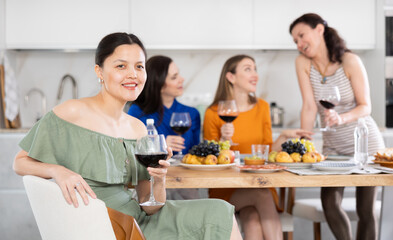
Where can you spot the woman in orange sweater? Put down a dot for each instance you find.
(238, 81)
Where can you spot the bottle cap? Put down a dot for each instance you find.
(150, 121)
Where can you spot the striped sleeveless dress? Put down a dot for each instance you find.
(341, 142)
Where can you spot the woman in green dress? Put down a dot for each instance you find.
(86, 145)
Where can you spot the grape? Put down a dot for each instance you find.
(297, 146)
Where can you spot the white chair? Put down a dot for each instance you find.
(311, 209)
(57, 220)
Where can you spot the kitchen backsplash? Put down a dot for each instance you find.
(201, 70)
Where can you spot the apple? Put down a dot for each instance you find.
(226, 157)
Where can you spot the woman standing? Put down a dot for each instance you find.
(87, 146)
(158, 101)
(238, 81)
(324, 61)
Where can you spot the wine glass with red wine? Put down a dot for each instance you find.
(180, 124)
(228, 112)
(149, 150)
(330, 97)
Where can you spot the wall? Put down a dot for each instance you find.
(278, 82)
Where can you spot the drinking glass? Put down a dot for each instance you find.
(149, 150)
(228, 112)
(180, 124)
(330, 97)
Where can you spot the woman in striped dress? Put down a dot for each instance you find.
(325, 61)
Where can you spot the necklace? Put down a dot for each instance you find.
(323, 74)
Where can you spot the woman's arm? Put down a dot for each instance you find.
(290, 133)
(309, 107)
(211, 131)
(67, 180)
(356, 73)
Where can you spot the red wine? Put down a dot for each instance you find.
(151, 160)
(181, 129)
(228, 118)
(326, 104)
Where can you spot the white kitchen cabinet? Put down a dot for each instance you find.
(193, 24)
(72, 24)
(354, 20)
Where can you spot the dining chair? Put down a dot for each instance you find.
(311, 209)
(57, 220)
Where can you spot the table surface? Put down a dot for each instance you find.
(179, 177)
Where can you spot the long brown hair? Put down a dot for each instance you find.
(225, 88)
(334, 43)
(150, 98)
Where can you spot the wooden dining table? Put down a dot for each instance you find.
(180, 177)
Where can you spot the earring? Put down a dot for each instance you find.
(100, 80)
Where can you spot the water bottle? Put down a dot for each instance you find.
(361, 143)
(151, 130)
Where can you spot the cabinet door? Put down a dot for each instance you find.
(354, 20)
(193, 24)
(48, 24)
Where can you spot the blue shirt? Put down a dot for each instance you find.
(191, 137)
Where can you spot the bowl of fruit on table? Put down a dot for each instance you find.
(296, 153)
(209, 155)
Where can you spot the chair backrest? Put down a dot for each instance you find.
(57, 220)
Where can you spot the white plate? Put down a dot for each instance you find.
(338, 158)
(258, 170)
(207, 167)
(295, 165)
(334, 166)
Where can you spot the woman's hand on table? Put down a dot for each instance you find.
(175, 142)
(332, 118)
(70, 181)
(297, 133)
(227, 131)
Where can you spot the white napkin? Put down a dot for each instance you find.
(11, 91)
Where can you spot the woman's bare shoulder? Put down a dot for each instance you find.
(350, 59)
(138, 128)
(302, 61)
(71, 110)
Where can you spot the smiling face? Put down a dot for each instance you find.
(307, 39)
(173, 86)
(123, 73)
(245, 77)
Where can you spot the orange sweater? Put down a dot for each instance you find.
(251, 127)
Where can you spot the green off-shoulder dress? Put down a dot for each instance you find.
(108, 165)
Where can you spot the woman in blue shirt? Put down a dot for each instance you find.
(158, 101)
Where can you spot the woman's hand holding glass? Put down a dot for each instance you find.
(332, 118)
(227, 131)
(180, 124)
(228, 112)
(176, 143)
(150, 151)
(330, 97)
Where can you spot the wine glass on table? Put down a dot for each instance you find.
(180, 124)
(330, 97)
(228, 112)
(148, 151)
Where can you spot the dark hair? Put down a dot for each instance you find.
(150, 98)
(334, 43)
(110, 42)
(225, 88)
